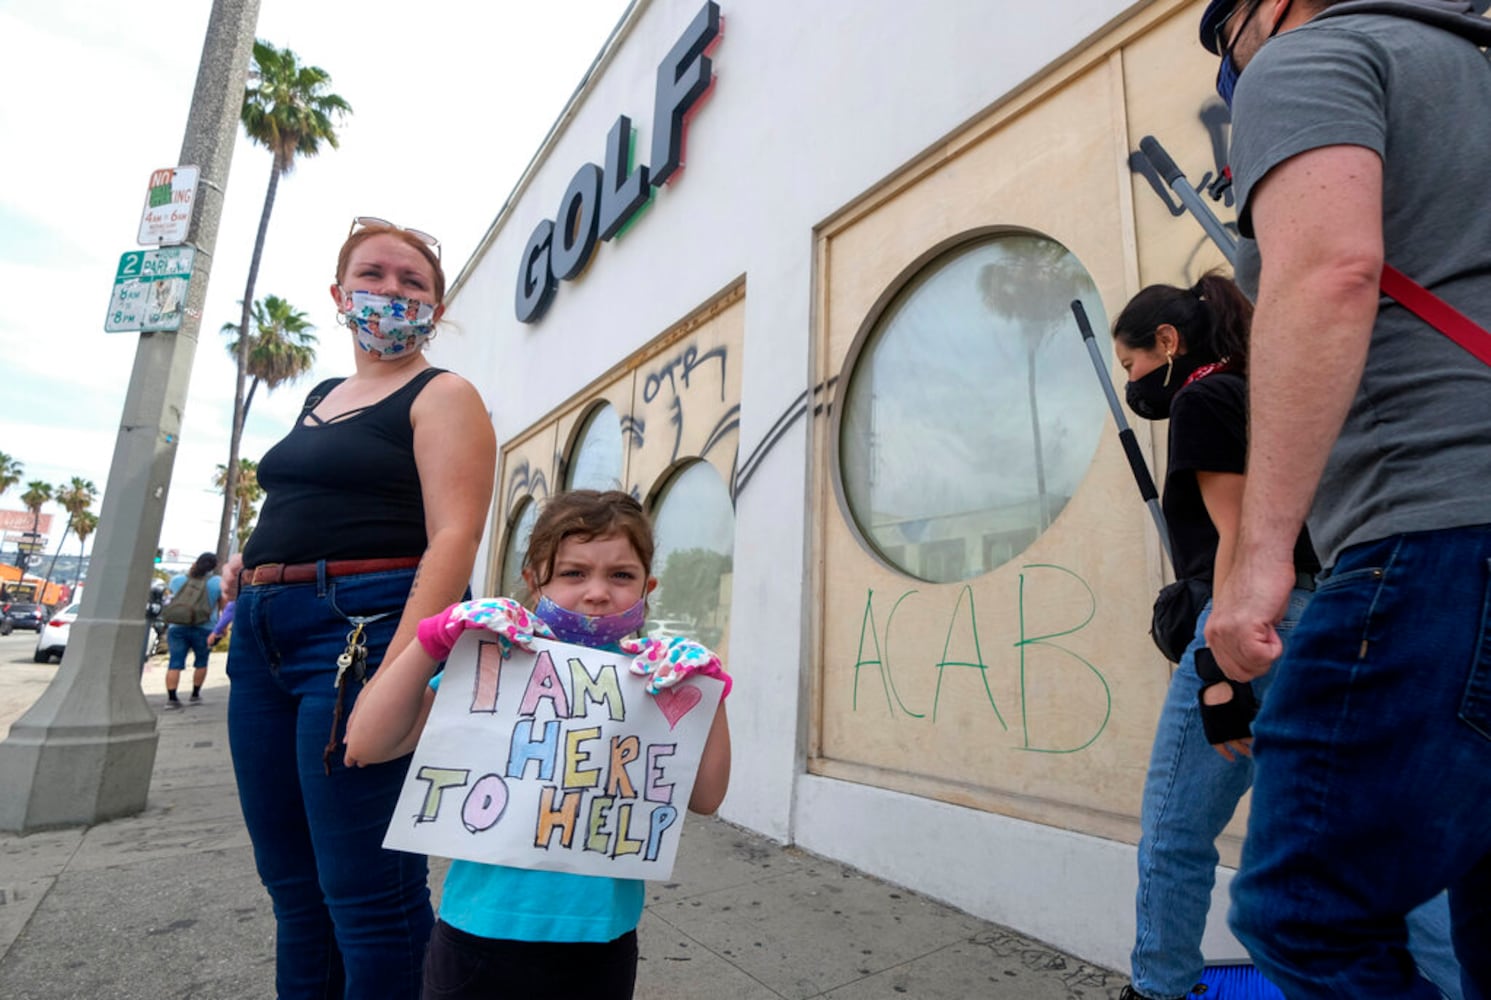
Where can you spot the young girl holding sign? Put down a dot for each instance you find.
(515, 931)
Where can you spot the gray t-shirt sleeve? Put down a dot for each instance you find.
(1305, 90)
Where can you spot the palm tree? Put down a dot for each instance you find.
(76, 497)
(11, 472)
(281, 349)
(37, 493)
(288, 110)
(249, 493)
(1033, 286)
(83, 526)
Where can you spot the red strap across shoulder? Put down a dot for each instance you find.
(1436, 312)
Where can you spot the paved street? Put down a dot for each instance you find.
(167, 905)
(21, 680)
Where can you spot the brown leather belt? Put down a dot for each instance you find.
(267, 573)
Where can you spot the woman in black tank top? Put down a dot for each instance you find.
(375, 504)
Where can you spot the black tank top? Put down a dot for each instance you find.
(347, 488)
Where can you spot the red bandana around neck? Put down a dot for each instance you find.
(1225, 365)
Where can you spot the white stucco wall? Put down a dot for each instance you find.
(813, 104)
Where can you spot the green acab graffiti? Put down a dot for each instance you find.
(1026, 644)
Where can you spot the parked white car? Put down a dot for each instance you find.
(52, 639)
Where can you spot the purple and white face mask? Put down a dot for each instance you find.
(389, 326)
(591, 630)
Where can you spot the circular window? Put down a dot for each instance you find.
(520, 529)
(695, 528)
(971, 412)
(595, 463)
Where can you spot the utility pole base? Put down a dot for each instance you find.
(72, 781)
(85, 751)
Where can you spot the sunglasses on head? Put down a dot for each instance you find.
(363, 221)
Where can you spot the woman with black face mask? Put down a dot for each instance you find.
(1186, 353)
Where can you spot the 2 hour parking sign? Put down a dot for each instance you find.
(150, 290)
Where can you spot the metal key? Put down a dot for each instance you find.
(355, 655)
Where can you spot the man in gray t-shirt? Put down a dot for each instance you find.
(1362, 133)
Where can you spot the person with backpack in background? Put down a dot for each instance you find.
(196, 599)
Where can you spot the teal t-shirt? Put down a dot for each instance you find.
(522, 904)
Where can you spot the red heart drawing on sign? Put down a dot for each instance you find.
(676, 702)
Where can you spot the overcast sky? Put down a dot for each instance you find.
(450, 99)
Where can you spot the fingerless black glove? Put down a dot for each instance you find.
(1232, 719)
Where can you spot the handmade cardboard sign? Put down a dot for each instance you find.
(557, 759)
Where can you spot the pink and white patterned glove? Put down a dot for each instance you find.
(509, 621)
(666, 662)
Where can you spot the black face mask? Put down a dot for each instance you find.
(1149, 397)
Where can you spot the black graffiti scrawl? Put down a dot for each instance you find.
(667, 376)
(1216, 183)
(526, 481)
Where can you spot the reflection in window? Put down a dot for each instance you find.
(695, 527)
(516, 549)
(596, 461)
(971, 412)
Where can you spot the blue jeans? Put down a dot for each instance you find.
(181, 638)
(353, 919)
(1190, 794)
(1373, 774)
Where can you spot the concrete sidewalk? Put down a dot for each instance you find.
(167, 904)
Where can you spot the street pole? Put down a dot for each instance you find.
(85, 751)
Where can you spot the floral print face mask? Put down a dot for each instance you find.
(389, 326)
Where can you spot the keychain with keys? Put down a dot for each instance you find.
(355, 659)
(355, 656)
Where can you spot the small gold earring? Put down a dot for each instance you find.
(1169, 366)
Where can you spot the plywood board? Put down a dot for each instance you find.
(1031, 690)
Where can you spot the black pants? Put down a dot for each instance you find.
(461, 966)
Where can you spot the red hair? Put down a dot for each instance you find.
(368, 232)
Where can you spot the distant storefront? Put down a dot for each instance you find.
(798, 276)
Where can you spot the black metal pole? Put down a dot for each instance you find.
(1125, 433)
